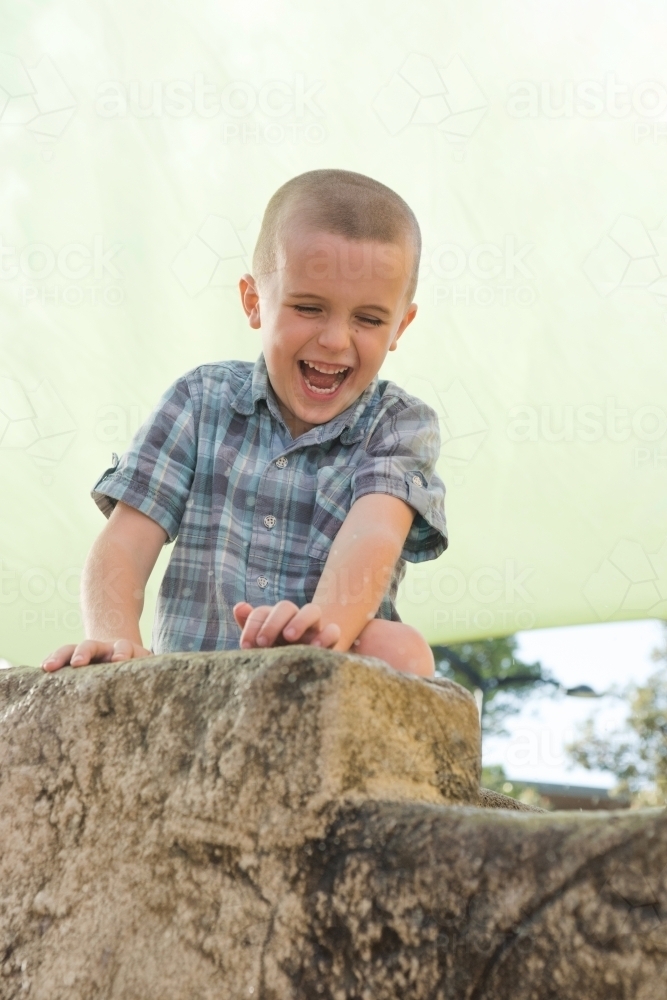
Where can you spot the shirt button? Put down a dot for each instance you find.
(269, 521)
(281, 462)
(416, 480)
(262, 582)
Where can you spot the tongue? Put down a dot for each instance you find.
(321, 380)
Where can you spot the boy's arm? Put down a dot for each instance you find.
(360, 564)
(114, 576)
(354, 580)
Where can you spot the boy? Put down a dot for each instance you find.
(297, 486)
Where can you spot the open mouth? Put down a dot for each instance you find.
(323, 380)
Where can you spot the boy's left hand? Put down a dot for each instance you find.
(283, 624)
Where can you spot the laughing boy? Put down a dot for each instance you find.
(294, 488)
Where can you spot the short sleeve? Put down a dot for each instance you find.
(400, 459)
(155, 474)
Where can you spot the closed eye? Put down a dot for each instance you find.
(308, 310)
(313, 310)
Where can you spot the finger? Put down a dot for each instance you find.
(254, 622)
(328, 637)
(282, 613)
(123, 649)
(308, 617)
(91, 651)
(241, 612)
(58, 659)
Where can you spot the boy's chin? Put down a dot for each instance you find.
(312, 416)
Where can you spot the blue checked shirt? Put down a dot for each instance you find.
(253, 511)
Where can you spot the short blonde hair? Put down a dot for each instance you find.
(341, 202)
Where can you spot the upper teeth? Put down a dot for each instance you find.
(327, 369)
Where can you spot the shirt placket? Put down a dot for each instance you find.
(269, 529)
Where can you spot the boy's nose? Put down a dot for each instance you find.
(335, 336)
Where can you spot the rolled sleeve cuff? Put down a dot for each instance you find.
(427, 538)
(113, 486)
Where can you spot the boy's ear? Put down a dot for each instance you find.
(405, 322)
(250, 300)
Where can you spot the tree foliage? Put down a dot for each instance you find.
(636, 753)
(492, 667)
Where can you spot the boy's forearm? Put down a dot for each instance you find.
(112, 592)
(355, 579)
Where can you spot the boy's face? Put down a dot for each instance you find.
(334, 302)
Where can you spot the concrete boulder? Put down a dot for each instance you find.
(289, 824)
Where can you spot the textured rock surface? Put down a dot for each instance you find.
(292, 824)
(496, 800)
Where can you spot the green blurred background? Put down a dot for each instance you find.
(139, 144)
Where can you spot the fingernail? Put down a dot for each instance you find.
(261, 640)
(290, 631)
(76, 659)
(245, 645)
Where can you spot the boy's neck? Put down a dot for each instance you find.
(295, 426)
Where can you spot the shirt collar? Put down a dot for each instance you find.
(348, 424)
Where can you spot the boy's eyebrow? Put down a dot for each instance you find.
(311, 295)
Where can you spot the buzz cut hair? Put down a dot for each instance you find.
(340, 202)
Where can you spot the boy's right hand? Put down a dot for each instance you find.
(94, 651)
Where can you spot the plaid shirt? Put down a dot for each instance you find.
(253, 511)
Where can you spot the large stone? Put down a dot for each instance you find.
(292, 824)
